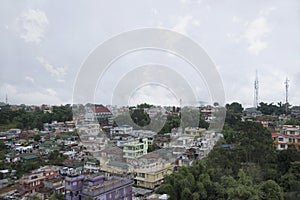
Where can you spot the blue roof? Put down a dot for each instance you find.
(227, 145)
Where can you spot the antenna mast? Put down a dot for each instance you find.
(256, 86)
(286, 95)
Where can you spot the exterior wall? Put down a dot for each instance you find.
(153, 178)
(289, 135)
(31, 183)
(135, 149)
(99, 187)
(193, 131)
(121, 130)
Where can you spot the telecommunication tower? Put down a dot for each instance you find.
(286, 83)
(256, 91)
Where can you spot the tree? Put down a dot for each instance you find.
(140, 117)
(195, 196)
(270, 190)
(56, 196)
(186, 194)
(234, 113)
(37, 137)
(235, 107)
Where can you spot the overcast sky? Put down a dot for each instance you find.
(44, 43)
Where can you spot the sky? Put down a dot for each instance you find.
(45, 43)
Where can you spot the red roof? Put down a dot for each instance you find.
(275, 134)
(100, 109)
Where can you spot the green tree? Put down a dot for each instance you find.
(186, 194)
(195, 196)
(270, 190)
(56, 196)
(37, 137)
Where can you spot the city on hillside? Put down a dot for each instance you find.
(94, 151)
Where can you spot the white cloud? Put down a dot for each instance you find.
(255, 33)
(35, 97)
(51, 92)
(28, 78)
(57, 72)
(184, 22)
(32, 25)
(154, 12)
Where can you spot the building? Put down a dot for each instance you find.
(97, 187)
(56, 185)
(123, 130)
(295, 112)
(101, 112)
(288, 135)
(91, 166)
(135, 149)
(31, 183)
(152, 175)
(194, 131)
(153, 167)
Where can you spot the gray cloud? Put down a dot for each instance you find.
(240, 36)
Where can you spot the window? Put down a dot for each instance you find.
(282, 146)
(280, 139)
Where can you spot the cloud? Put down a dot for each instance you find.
(57, 72)
(28, 78)
(184, 22)
(255, 33)
(32, 25)
(14, 94)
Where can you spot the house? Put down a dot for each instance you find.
(295, 112)
(91, 166)
(51, 186)
(117, 168)
(288, 135)
(111, 153)
(124, 130)
(135, 149)
(101, 112)
(153, 167)
(252, 112)
(97, 187)
(32, 182)
(163, 141)
(194, 131)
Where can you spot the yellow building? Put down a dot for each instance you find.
(152, 175)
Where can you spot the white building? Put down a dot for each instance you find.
(124, 130)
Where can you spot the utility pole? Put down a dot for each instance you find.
(6, 100)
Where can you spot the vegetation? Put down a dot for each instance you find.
(29, 120)
(249, 169)
(271, 109)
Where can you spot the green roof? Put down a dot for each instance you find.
(28, 157)
(74, 165)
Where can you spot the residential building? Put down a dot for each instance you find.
(288, 135)
(295, 112)
(135, 149)
(31, 183)
(98, 187)
(123, 130)
(91, 166)
(153, 167)
(101, 112)
(194, 131)
(55, 185)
